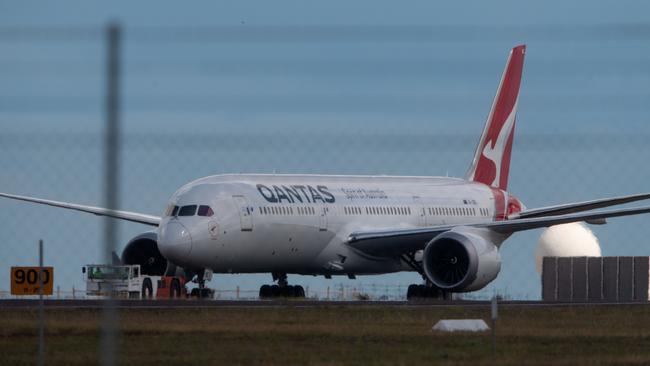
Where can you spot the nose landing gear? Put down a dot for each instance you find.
(282, 289)
(202, 292)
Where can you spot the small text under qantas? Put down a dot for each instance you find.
(296, 193)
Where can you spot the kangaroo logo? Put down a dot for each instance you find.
(493, 151)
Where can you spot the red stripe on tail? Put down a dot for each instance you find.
(491, 162)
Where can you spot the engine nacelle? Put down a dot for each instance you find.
(143, 250)
(461, 261)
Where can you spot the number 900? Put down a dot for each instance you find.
(30, 276)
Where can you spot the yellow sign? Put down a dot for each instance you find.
(25, 281)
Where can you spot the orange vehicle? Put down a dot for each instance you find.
(171, 287)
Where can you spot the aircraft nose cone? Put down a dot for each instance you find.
(175, 241)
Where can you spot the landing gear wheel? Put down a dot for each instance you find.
(276, 291)
(282, 289)
(205, 293)
(265, 291)
(175, 291)
(412, 292)
(289, 291)
(147, 289)
(421, 292)
(300, 292)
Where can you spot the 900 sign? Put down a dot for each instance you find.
(25, 281)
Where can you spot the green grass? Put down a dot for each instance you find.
(353, 335)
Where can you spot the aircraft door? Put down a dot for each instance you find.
(419, 210)
(245, 213)
(323, 219)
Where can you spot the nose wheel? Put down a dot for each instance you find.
(282, 289)
(202, 292)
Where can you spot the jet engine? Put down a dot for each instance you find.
(143, 250)
(461, 261)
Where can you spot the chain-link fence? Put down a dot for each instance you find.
(398, 100)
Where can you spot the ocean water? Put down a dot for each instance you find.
(371, 100)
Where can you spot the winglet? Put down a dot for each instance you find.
(491, 162)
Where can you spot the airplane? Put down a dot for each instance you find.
(449, 230)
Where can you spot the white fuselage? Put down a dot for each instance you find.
(299, 223)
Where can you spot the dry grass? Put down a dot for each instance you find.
(355, 335)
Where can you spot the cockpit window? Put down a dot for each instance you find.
(187, 210)
(174, 211)
(205, 211)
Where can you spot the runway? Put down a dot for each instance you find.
(192, 304)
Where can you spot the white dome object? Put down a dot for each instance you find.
(566, 240)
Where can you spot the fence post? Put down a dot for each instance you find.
(111, 184)
(41, 304)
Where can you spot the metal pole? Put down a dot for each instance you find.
(111, 188)
(494, 325)
(41, 305)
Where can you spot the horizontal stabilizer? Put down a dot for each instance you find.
(578, 206)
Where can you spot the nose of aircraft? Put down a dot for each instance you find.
(175, 241)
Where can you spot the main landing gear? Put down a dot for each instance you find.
(282, 289)
(426, 291)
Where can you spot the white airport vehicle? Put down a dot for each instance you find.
(125, 281)
(447, 229)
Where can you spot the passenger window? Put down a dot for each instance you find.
(187, 210)
(205, 211)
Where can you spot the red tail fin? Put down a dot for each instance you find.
(492, 157)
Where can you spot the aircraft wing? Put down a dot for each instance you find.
(401, 241)
(122, 215)
(578, 206)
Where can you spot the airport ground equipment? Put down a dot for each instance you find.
(171, 287)
(124, 281)
(595, 279)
